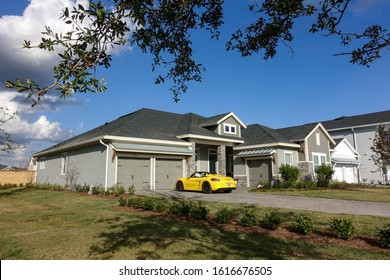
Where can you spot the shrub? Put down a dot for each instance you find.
(173, 208)
(138, 202)
(304, 225)
(118, 190)
(223, 215)
(344, 228)
(131, 189)
(159, 207)
(198, 211)
(305, 185)
(272, 220)
(122, 201)
(148, 204)
(249, 218)
(289, 174)
(384, 236)
(182, 208)
(324, 174)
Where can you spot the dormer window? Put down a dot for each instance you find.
(230, 128)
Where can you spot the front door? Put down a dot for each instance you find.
(212, 162)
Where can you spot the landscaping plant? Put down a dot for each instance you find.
(289, 174)
(272, 220)
(223, 215)
(324, 174)
(304, 224)
(344, 228)
(249, 218)
(384, 236)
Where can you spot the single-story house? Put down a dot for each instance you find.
(150, 149)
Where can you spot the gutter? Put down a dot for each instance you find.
(106, 175)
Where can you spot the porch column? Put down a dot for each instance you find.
(191, 161)
(221, 154)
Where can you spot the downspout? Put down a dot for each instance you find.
(106, 173)
(354, 139)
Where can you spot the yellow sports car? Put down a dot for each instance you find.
(205, 182)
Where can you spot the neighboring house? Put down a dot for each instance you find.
(360, 132)
(345, 162)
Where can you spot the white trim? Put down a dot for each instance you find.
(107, 159)
(145, 140)
(194, 136)
(320, 126)
(292, 145)
(231, 114)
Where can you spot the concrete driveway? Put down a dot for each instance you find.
(241, 195)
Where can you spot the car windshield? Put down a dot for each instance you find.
(199, 174)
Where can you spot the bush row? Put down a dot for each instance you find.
(116, 189)
(343, 228)
(289, 179)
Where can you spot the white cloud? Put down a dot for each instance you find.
(32, 128)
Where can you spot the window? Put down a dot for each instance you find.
(318, 159)
(42, 163)
(63, 165)
(318, 139)
(288, 158)
(229, 128)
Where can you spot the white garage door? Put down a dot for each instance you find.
(134, 171)
(167, 171)
(345, 173)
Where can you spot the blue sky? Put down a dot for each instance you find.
(312, 85)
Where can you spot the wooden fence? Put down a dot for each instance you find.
(17, 177)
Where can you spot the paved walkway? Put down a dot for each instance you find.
(241, 195)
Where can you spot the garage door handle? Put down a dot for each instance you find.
(132, 177)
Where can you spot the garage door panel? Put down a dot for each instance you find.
(259, 171)
(134, 171)
(167, 171)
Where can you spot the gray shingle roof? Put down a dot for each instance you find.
(256, 134)
(147, 124)
(358, 120)
(297, 133)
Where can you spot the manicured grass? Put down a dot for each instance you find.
(38, 224)
(357, 194)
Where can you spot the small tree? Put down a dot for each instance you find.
(324, 174)
(289, 174)
(7, 144)
(381, 149)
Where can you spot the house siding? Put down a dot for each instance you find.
(361, 139)
(232, 121)
(88, 163)
(323, 147)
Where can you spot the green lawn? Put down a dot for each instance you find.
(38, 224)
